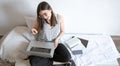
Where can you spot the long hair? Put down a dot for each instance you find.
(45, 6)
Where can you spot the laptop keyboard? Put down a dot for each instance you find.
(38, 49)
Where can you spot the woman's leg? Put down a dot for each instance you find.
(61, 54)
(40, 61)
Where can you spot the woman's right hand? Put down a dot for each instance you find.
(34, 31)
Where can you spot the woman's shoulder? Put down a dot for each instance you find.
(59, 16)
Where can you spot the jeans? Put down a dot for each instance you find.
(61, 54)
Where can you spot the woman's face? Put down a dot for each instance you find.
(46, 14)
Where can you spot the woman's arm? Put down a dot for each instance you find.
(61, 28)
(61, 31)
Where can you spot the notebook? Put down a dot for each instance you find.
(43, 49)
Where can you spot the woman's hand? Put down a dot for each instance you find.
(34, 31)
(56, 43)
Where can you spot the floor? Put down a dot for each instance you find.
(116, 40)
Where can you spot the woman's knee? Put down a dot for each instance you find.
(64, 51)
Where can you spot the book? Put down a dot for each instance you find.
(74, 44)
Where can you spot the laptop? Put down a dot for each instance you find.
(42, 49)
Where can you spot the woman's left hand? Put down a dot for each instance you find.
(56, 43)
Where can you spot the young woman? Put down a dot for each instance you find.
(50, 27)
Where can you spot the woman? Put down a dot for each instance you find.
(50, 27)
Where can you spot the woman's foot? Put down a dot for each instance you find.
(72, 63)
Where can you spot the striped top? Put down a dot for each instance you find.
(48, 33)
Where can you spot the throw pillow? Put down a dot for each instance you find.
(30, 21)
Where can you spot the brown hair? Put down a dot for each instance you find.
(45, 6)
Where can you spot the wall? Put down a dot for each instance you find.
(80, 16)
